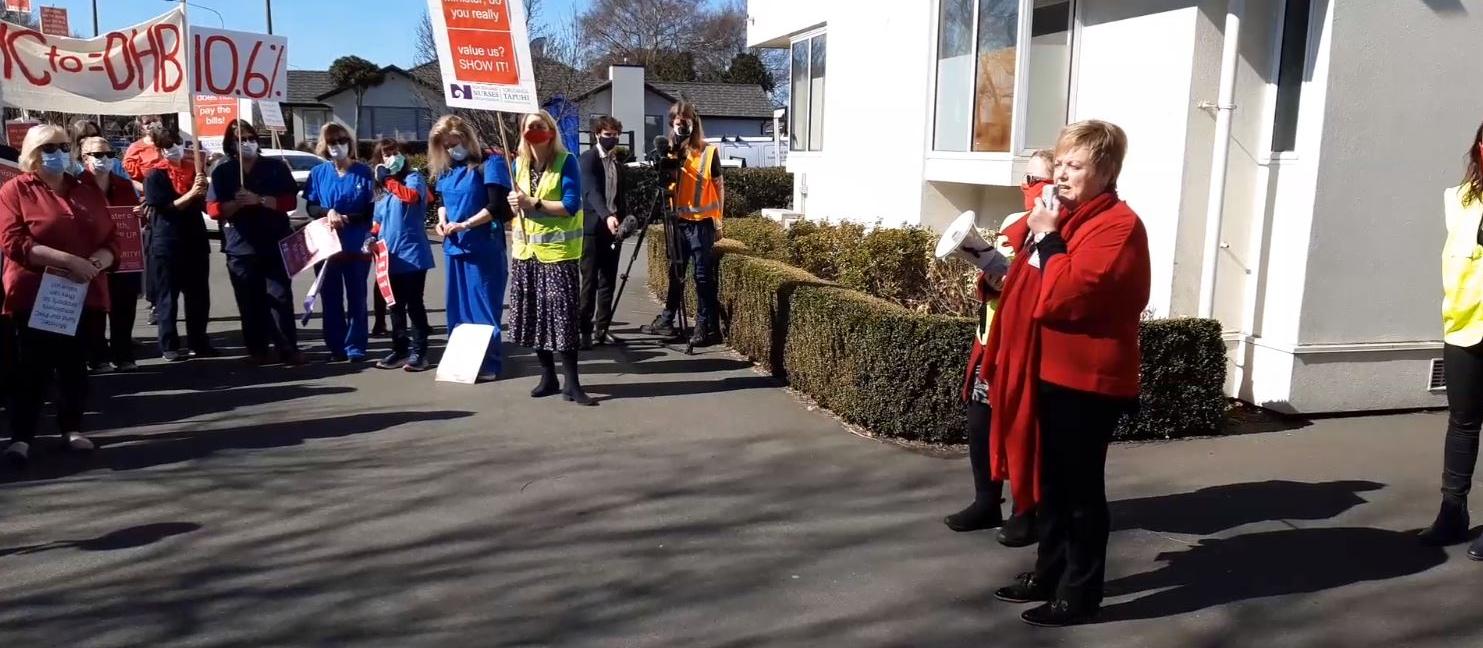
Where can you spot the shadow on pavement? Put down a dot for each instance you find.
(1217, 508)
(129, 538)
(686, 388)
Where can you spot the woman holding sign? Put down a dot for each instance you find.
(116, 340)
(473, 192)
(55, 232)
(179, 252)
(548, 251)
(341, 191)
(252, 196)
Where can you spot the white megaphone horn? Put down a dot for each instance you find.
(962, 240)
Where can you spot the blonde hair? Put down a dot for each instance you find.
(87, 140)
(38, 136)
(438, 160)
(331, 129)
(527, 155)
(1106, 143)
(686, 110)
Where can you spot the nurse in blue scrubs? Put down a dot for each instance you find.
(471, 221)
(342, 191)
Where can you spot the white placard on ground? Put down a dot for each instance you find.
(59, 304)
(464, 355)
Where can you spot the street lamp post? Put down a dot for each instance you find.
(192, 4)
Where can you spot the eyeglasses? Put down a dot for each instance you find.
(339, 140)
(54, 147)
(1034, 179)
(102, 155)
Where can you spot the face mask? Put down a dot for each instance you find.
(339, 151)
(174, 153)
(96, 165)
(394, 164)
(1032, 193)
(75, 168)
(537, 136)
(248, 149)
(458, 153)
(683, 130)
(55, 162)
(607, 143)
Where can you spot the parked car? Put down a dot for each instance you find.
(299, 164)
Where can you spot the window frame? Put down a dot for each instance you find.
(1318, 16)
(807, 113)
(1017, 148)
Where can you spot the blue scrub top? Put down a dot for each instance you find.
(464, 190)
(351, 195)
(404, 228)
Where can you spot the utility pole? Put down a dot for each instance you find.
(95, 19)
(267, 5)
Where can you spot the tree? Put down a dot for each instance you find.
(747, 67)
(359, 75)
(651, 32)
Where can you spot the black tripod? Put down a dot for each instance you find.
(661, 208)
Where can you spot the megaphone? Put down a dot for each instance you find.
(962, 240)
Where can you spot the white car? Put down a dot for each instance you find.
(299, 164)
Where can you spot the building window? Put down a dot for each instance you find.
(806, 103)
(1290, 69)
(979, 45)
(314, 119)
(404, 124)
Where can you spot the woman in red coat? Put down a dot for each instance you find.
(1065, 361)
(115, 339)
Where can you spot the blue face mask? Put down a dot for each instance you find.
(56, 162)
(458, 153)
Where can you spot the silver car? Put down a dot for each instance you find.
(299, 164)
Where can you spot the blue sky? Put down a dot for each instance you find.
(318, 31)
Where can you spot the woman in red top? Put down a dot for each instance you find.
(116, 340)
(51, 222)
(1065, 361)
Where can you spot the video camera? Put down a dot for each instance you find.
(663, 159)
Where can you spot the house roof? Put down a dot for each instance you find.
(743, 100)
(552, 78)
(306, 86)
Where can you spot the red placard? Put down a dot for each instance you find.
(54, 21)
(15, 131)
(23, 6)
(8, 170)
(382, 257)
(130, 244)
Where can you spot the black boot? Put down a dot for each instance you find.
(548, 385)
(572, 390)
(984, 512)
(1019, 531)
(1451, 525)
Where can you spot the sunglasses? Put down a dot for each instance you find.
(53, 148)
(1033, 179)
(102, 155)
(341, 140)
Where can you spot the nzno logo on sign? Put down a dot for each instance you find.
(462, 91)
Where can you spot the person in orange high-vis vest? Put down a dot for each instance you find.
(699, 198)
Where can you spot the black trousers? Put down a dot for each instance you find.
(1464, 367)
(41, 358)
(177, 275)
(408, 288)
(265, 302)
(1073, 521)
(696, 239)
(114, 339)
(986, 491)
(599, 279)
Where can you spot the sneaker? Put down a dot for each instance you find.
(1027, 588)
(487, 376)
(18, 454)
(174, 356)
(1058, 614)
(77, 442)
(700, 338)
(660, 326)
(125, 366)
(355, 357)
(154, 316)
(600, 338)
(417, 363)
(392, 360)
(99, 367)
(205, 352)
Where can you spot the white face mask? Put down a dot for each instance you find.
(174, 153)
(339, 151)
(248, 149)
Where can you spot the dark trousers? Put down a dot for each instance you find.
(986, 491)
(1075, 428)
(183, 274)
(39, 359)
(408, 287)
(378, 309)
(695, 240)
(114, 339)
(1464, 367)
(599, 279)
(149, 289)
(265, 302)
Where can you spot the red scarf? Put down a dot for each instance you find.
(1014, 357)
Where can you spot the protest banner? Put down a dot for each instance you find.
(22, 6)
(316, 242)
(15, 130)
(239, 64)
(272, 114)
(382, 257)
(59, 303)
(130, 244)
(464, 355)
(54, 21)
(484, 54)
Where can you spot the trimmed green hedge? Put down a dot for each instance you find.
(748, 190)
(899, 373)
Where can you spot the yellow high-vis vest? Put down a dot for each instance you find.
(1462, 272)
(549, 238)
(696, 195)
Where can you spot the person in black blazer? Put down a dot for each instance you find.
(604, 207)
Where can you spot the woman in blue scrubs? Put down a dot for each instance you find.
(342, 191)
(471, 221)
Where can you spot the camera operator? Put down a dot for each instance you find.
(699, 195)
(605, 205)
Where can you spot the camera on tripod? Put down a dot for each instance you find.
(662, 158)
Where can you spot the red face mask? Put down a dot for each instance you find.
(537, 136)
(1032, 193)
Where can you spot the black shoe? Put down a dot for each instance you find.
(417, 363)
(99, 367)
(205, 352)
(1450, 527)
(1019, 531)
(576, 395)
(700, 338)
(1027, 588)
(1475, 550)
(18, 454)
(174, 356)
(392, 360)
(547, 387)
(379, 332)
(1057, 614)
(125, 366)
(660, 327)
(600, 338)
(976, 517)
(337, 357)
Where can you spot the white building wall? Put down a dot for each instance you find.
(771, 22)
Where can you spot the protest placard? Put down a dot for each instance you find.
(464, 355)
(382, 257)
(15, 130)
(130, 244)
(8, 170)
(22, 6)
(484, 54)
(316, 242)
(208, 123)
(239, 64)
(59, 303)
(54, 21)
(272, 114)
